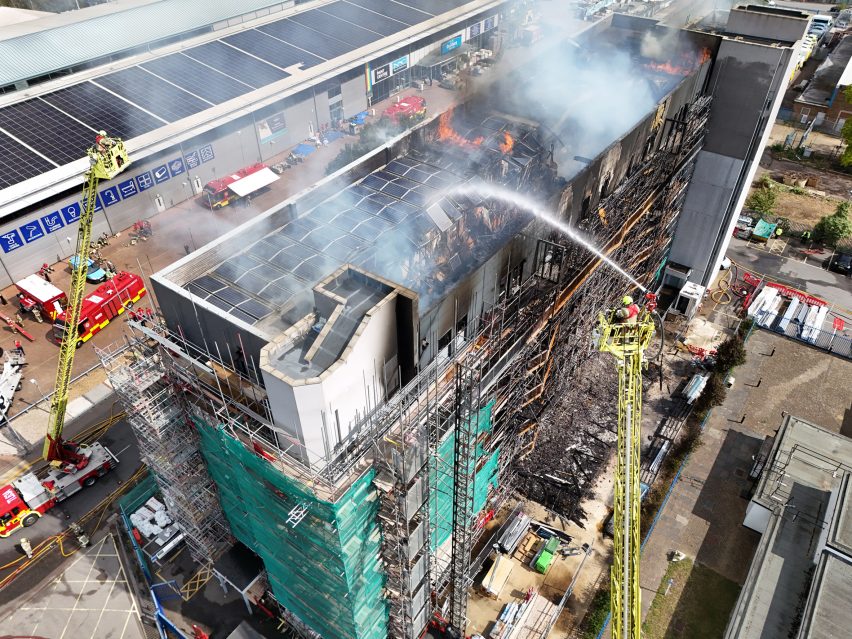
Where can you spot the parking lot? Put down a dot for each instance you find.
(89, 599)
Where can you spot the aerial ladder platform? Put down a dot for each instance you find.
(627, 340)
(107, 158)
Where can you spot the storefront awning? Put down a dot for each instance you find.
(253, 182)
(435, 59)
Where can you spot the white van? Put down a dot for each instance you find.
(823, 21)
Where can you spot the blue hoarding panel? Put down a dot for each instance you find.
(206, 153)
(176, 167)
(110, 196)
(31, 231)
(144, 181)
(71, 213)
(10, 241)
(128, 189)
(52, 222)
(161, 174)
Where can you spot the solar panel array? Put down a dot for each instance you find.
(386, 209)
(56, 128)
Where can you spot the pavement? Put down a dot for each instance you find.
(703, 516)
(89, 599)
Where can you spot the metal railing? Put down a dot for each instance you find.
(834, 341)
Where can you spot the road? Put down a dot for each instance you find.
(120, 440)
(789, 268)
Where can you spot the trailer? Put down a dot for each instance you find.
(27, 498)
(10, 380)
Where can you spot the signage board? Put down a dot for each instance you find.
(401, 64)
(451, 45)
(381, 73)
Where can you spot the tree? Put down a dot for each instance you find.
(763, 198)
(831, 229)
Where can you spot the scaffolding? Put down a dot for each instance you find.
(372, 540)
(168, 444)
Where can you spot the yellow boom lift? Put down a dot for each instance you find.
(107, 158)
(627, 342)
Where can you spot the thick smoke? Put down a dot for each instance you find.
(587, 96)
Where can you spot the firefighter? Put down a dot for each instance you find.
(37, 315)
(26, 546)
(19, 349)
(103, 142)
(629, 312)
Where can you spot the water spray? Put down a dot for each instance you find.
(487, 190)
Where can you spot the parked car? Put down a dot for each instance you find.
(842, 264)
(94, 274)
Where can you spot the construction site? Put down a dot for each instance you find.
(355, 394)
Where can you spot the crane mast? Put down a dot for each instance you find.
(627, 342)
(107, 158)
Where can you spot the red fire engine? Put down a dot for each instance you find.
(26, 499)
(217, 194)
(36, 292)
(413, 106)
(108, 301)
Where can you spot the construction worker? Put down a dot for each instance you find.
(629, 312)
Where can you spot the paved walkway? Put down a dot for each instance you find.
(89, 600)
(703, 516)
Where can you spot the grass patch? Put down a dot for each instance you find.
(697, 605)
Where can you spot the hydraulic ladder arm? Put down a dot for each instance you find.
(627, 343)
(107, 159)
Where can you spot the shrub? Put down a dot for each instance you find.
(730, 353)
(835, 227)
(597, 613)
(763, 198)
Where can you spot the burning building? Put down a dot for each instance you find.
(360, 368)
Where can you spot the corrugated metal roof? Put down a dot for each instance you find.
(65, 40)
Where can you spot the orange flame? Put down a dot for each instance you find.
(446, 133)
(688, 63)
(508, 142)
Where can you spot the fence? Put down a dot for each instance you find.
(833, 341)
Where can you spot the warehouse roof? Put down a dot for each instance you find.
(51, 131)
(59, 41)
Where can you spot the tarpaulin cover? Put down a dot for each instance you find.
(325, 569)
(441, 495)
(304, 149)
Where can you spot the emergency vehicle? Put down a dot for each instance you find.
(26, 499)
(219, 193)
(413, 106)
(36, 292)
(107, 301)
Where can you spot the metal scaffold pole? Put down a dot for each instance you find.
(467, 414)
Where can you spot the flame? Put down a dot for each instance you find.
(687, 63)
(508, 142)
(446, 133)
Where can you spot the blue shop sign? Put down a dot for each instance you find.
(110, 196)
(192, 160)
(176, 167)
(450, 45)
(52, 222)
(128, 189)
(206, 153)
(71, 213)
(144, 181)
(10, 240)
(399, 65)
(161, 174)
(31, 231)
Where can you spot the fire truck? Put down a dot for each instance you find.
(219, 193)
(413, 106)
(107, 301)
(36, 292)
(26, 499)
